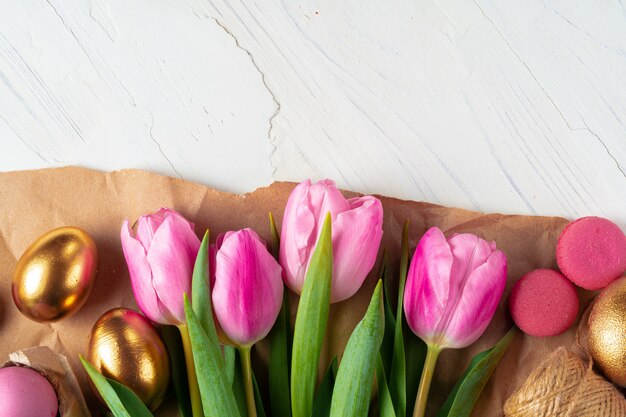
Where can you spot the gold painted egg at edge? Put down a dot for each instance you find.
(607, 331)
(55, 275)
(126, 347)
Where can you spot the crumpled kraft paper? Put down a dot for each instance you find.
(33, 202)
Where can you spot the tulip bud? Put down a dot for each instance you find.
(160, 260)
(248, 290)
(356, 235)
(453, 288)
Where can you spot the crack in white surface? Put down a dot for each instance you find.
(271, 139)
(67, 27)
(78, 42)
(583, 31)
(56, 12)
(19, 137)
(130, 96)
(156, 142)
(606, 148)
(447, 15)
(94, 6)
(93, 64)
(42, 91)
(519, 58)
(547, 95)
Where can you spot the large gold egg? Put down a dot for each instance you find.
(55, 275)
(607, 331)
(126, 347)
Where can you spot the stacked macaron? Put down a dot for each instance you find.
(591, 253)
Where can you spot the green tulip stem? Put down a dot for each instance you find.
(246, 372)
(194, 390)
(427, 377)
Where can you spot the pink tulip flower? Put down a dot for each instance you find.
(247, 292)
(452, 290)
(356, 235)
(160, 260)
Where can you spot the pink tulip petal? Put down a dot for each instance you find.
(297, 228)
(428, 284)
(325, 198)
(453, 306)
(140, 275)
(357, 233)
(355, 244)
(478, 302)
(248, 289)
(148, 224)
(221, 237)
(469, 253)
(212, 255)
(172, 255)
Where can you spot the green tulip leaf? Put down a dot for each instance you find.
(415, 350)
(171, 337)
(131, 401)
(353, 387)
(279, 344)
(385, 404)
(258, 401)
(206, 348)
(324, 395)
(239, 392)
(237, 384)
(311, 321)
(200, 288)
(397, 376)
(230, 353)
(467, 390)
(280, 347)
(215, 390)
(121, 401)
(386, 349)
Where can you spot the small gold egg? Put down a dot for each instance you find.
(55, 275)
(607, 331)
(126, 347)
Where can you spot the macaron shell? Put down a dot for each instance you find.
(543, 303)
(26, 393)
(591, 252)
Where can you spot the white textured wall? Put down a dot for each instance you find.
(506, 106)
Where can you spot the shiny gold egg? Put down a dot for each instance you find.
(607, 331)
(126, 347)
(55, 275)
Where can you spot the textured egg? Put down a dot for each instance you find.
(126, 347)
(55, 275)
(26, 393)
(607, 331)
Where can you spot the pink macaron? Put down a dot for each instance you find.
(543, 303)
(591, 252)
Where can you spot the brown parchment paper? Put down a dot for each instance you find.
(32, 202)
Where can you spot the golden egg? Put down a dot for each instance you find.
(126, 347)
(55, 275)
(607, 331)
